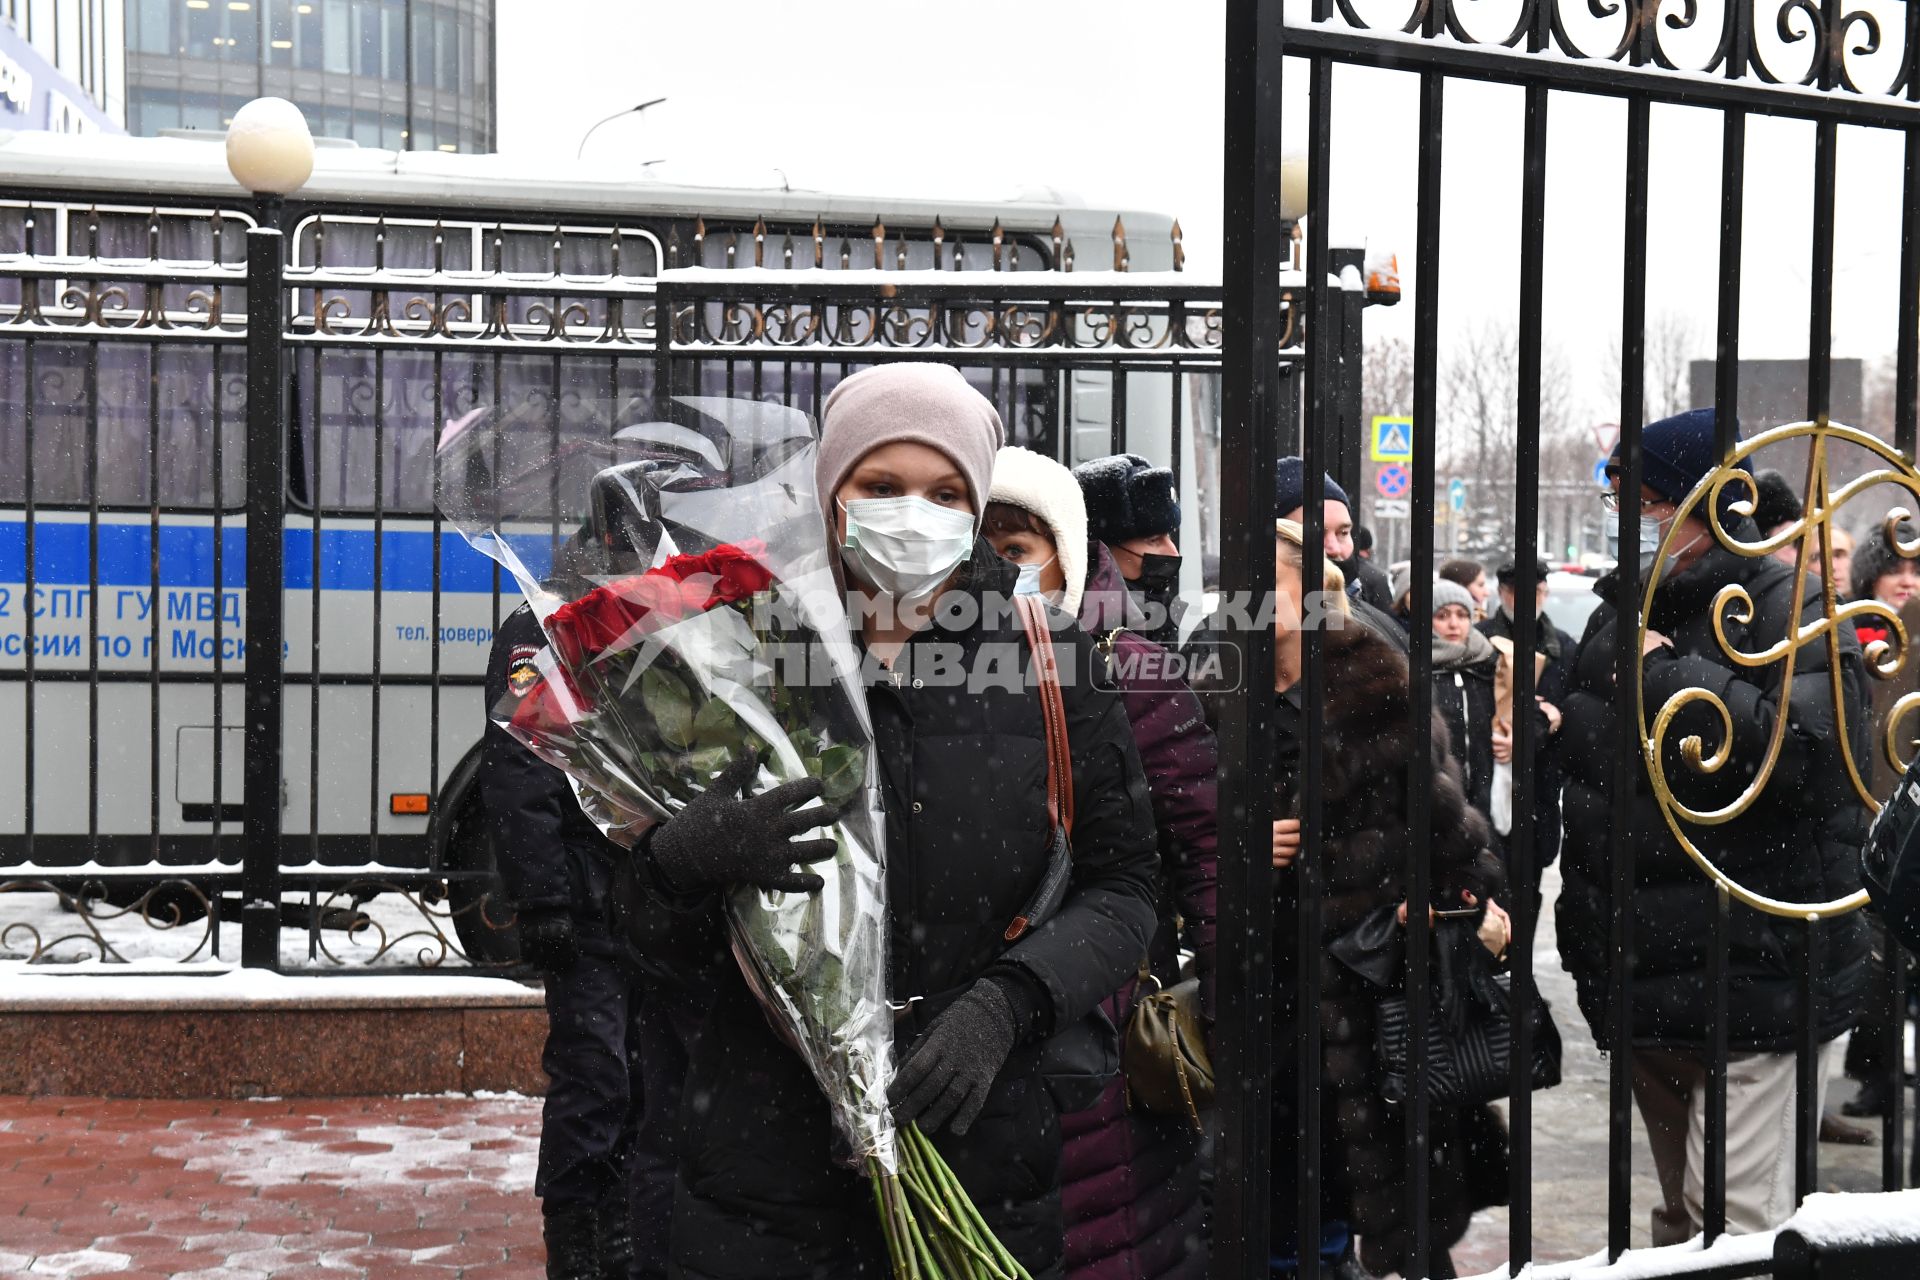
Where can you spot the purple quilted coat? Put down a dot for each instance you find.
(1131, 1180)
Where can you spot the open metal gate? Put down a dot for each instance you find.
(1438, 43)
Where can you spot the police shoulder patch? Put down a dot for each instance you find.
(523, 669)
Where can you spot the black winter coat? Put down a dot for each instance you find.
(549, 854)
(1371, 750)
(1463, 697)
(1799, 841)
(760, 1194)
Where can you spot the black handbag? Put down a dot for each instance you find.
(1469, 1065)
(1469, 1041)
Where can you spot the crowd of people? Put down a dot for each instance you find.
(683, 1138)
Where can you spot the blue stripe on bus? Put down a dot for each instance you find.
(186, 558)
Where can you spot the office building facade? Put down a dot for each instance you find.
(407, 75)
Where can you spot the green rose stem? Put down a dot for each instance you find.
(886, 1189)
(928, 1187)
(957, 1195)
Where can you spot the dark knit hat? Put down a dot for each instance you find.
(1290, 487)
(1777, 504)
(1127, 497)
(1676, 453)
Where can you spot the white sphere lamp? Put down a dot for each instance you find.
(269, 147)
(1293, 187)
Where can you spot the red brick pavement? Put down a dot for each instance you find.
(309, 1189)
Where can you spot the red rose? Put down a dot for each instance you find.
(741, 570)
(581, 630)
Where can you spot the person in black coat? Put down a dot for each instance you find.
(1799, 840)
(1370, 748)
(559, 872)
(904, 464)
(1366, 580)
(1464, 664)
(1550, 690)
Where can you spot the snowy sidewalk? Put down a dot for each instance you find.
(332, 1189)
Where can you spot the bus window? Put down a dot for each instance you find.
(191, 402)
(356, 419)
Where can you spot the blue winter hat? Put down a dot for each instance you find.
(1290, 486)
(1677, 452)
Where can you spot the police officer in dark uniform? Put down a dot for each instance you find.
(559, 871)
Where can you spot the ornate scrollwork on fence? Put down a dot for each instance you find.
(1833, 46)
(434, 940)
(724, 317)
(89, 923)
(164, 907)
(1813, 535)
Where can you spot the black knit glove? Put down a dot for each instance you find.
(547, 941)
(721, 839)
(946, 1078)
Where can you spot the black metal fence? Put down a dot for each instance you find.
(1439, 43)
(195, 745)
(196, 751)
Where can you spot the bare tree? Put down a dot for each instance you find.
(1672, 343)
(1480, 435)
(1386, 378)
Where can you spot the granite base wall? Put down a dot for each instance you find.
(287, 1053)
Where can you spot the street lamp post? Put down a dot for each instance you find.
(635, 110)
(270, 153)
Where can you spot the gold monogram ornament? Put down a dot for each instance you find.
(1884, 658)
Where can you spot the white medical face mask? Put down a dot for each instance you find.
(1029, 582)
(1651, 531)
(905, 547)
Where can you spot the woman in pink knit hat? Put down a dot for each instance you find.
(992, 974)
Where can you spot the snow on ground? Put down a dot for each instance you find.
(399, 932)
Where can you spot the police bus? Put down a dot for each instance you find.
(122, 462)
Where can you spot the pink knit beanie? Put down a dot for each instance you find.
(930, 404)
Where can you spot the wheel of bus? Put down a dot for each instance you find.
(462, 844)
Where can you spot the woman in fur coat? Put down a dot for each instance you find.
(1370, 751)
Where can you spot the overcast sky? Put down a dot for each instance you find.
(1120, 101)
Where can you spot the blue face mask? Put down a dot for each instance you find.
(1029, 580)
(1650, 534)
(1651, 531)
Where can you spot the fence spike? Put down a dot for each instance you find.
(1179, 248)
(1069, 256)
(760, 241)
(786, 253)
(93, 231)
(939, 243)
(959, 254)
(673, 247)
(900, 252)
(999, 242)
(613, 271)
(819, 243)
(733, 249)
(1120, 258)
(699, 241)
(1059, 237)
(380, 244)
(879, 243)
(846, 254)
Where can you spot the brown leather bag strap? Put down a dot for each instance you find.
(1053, 713)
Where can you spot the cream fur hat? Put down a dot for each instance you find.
(1036, 483)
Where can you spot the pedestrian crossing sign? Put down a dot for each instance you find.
(1392, 438)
